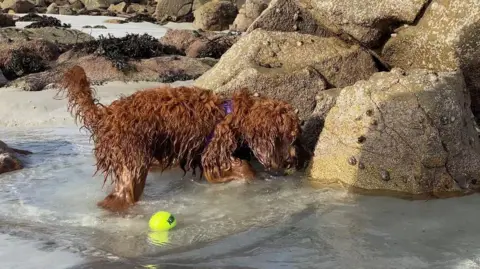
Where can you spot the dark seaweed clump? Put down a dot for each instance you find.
(120, 50)
(176, 75)
(141, 18)
(21, 62)
(31, 17)
(47, 21)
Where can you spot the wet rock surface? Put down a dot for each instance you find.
(412, 132)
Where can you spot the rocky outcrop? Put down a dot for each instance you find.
(20, 58)
(165, 69)
(313, 124)
(52, 9)
(18, 6)
(288, 66)
(173, 9)
(8, 158)
(215, 15)
(118, 8)
(410, 133)
(95, 4)
(6, 20)
(446, 38)
(368, 21)
(248, 13)
(198, 44)
(53, 34)
(3, 79)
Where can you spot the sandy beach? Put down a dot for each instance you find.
(23, 109)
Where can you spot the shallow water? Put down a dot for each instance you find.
(48, 212)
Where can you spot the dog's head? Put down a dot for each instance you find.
(271, 128)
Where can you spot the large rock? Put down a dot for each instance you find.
(313, 124)
(368, 21)
(173, 9)
(52, 9)
(290, 66)
(95, 4)
(215, 15)
(165, 69)
(6, 20)
(446, 38)
(401, 132)
(53, 34)
(198, 44)
(248, 13)
(21, 58)
(8, 159)
(3, 79)
(118, 8)
(19, 6)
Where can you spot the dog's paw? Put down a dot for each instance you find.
(114, 203)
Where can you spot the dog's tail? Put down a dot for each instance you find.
(81, 102)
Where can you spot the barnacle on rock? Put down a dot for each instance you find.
(352, 160)
(120, 50)
(21, 62)
(385, 175)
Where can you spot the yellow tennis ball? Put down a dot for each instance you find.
(162, 221)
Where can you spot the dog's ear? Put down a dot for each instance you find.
(217, 155)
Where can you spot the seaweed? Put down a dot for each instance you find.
(141, 18)
(176, 75)
(21, 62)
(30, 17)
(95, 26)
(119, 50)
(46, 21)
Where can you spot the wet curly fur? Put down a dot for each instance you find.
(171, 125)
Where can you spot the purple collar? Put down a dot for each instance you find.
(228, 108)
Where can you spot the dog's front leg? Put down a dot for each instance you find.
(239, 170)
(127, 191)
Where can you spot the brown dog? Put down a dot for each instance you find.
(185, 126)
